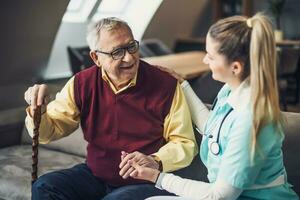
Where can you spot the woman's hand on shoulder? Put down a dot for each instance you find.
(171, 72)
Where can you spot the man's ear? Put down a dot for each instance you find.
(237, 68)
(94, 57)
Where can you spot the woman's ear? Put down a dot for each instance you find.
(237, 68)
(95, 58)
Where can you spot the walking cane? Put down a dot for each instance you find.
(35, 143)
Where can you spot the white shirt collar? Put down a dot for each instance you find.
(239, 99)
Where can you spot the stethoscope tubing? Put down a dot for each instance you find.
(215, 146)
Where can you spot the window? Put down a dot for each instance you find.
(79, 10)
(112, 6)
(136, 13)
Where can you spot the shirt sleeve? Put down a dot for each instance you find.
(199, 111)
(178, 132)
(197, 189)
(61, 117)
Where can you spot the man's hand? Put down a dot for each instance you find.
(144, 173)
(37, 95)
(141, 159)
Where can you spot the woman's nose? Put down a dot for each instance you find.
(205, 59)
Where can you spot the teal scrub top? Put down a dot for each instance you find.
(234, 163)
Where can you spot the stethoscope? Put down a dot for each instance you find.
(214, 145)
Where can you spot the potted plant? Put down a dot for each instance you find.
(276, 7)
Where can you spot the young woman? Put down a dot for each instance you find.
(242, 134)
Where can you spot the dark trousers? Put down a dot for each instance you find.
(78, 183)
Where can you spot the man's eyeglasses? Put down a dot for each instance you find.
(119, 53)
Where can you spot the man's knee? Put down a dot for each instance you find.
(40, 188)
(46, 186)
(41, 184)
(119, 196)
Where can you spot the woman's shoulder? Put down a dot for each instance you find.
(243, 119)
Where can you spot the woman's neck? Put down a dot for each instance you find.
(234, 84)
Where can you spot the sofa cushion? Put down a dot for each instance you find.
(293, 122)
(73, 144)
(291, 149)
(15, 168)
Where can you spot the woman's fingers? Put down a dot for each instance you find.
(171, 72)
(144, 173)
(134, 174)
(134, 164)
(128, 172)
(124, 159)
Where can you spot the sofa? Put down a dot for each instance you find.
(15, 160)
(15, 148)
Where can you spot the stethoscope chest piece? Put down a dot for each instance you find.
(214, 148)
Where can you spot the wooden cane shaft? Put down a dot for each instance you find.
(35, 143)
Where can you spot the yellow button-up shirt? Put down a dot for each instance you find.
(63, 117)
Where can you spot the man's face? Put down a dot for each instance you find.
(122, 70)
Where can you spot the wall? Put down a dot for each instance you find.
(68, 33)
(177, 18)
(28, 29)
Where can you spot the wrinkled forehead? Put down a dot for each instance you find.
(111, 39)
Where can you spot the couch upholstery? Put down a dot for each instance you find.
(15, 161)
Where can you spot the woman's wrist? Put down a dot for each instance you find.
(158, 182)
(158, 162)
(155, 176)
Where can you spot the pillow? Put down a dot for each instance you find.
(73, 144)
(12, 116)
(293, 121)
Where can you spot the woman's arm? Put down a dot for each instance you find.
(197, 189)
(199, 112)
(186, 187)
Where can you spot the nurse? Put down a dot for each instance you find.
(242, 134)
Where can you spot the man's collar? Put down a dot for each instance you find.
(239, 99)
(116, 91)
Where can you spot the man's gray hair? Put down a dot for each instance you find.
(108, 24)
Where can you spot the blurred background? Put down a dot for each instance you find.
(44, 42)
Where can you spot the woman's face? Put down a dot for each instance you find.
(218, 63)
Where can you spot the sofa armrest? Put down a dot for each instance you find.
(10, 134)
(11, 124)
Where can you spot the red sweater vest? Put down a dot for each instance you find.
(132, 120)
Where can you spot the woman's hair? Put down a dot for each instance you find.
(108, 24)
(251, 41)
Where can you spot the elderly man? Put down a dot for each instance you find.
(127, 109)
